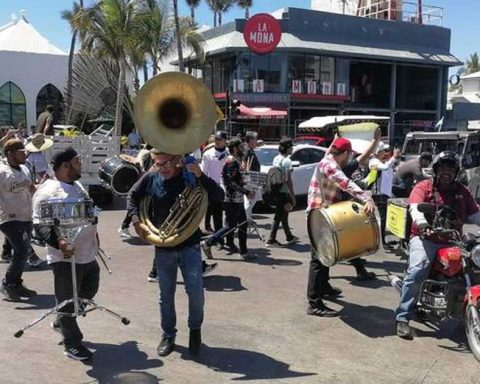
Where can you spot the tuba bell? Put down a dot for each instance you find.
(175, 113)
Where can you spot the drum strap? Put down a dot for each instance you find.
(82, 189)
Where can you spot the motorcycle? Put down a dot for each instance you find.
(452, 289)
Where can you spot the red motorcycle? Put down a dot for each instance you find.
(452, 289)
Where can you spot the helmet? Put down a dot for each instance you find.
(446, 157)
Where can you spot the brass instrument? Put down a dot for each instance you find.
(175, 113)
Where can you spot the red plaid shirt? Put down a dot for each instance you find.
(327, 184)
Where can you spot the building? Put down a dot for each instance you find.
(464, 102)
(327, 63)
(33, 74)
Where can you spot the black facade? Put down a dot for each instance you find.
(332, 64)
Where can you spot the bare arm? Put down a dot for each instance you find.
(363, 158)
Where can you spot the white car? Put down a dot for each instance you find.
(304, 160)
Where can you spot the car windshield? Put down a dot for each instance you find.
(301, 140)
(266, 155)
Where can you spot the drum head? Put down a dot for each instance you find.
(322, 237)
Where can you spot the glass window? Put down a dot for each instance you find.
(50, 94)
(327, 70)
(276, 75)
(266, 155)
(296, 68)
(417, 87)
(370, 84)
(207, 74)
(312, 67)
(302, 155)
(13, 109)
(342, 77)
(242, 70)
(217, 77)
(316, 155)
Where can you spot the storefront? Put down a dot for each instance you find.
(326, 64)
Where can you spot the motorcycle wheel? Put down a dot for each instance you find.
(472, 329)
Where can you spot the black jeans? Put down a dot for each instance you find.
(88, 278)
(234, 215)
(18, 234)
(381, 202)
(281, 216)
(214, 210)
(319, 276)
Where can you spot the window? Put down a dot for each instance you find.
(13, 110)
(370, 84)
(50, 94)
(296, 69)
(303, 156)
(316, 155)
(417, 87)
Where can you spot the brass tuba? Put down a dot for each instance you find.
(175, 113)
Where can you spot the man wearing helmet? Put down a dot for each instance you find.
(443, 188)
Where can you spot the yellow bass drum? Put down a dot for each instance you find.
(342, 232)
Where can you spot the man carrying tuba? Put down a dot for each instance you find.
(164, 187)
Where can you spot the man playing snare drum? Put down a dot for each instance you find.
(68, 169)
(326, 187)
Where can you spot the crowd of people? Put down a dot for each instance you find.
(342, 174)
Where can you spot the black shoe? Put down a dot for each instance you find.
(404, 330)
(166, 346)
(207, 268)
(232, 248)
(321, 311)
(34, 261)
(78, 353)
(274, 244)
(152, 276)
(24, 292)
(330, 292)
(195, 341)
(364, 275)
(10, 292)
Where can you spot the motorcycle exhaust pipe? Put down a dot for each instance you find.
(396, 282)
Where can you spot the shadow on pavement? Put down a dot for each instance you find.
(371, 321)
(262, 258)
(389, 266)
(373, 284)
(117, 364)
(223, 283)
(38, 302)
(135, 241)
(249, 364)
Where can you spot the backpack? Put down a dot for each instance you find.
(275, 181)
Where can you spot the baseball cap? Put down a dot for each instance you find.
(13, 145)
(221, 135)
(63, 156)
(342, 144)
(382, 147)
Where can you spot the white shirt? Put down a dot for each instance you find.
(213, 162)
(85, 245)
(285, 164)
(15, 194)
(385, 182)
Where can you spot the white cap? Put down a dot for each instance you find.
(382, 147)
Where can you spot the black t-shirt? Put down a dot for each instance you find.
(255, 163)
(350, 168)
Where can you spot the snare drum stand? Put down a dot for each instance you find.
(79, 303)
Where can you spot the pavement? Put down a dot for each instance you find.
(255, 327)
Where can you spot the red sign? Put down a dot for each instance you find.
(262, 33)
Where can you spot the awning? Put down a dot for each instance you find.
(260, 113)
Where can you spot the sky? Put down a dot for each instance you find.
(461, 16)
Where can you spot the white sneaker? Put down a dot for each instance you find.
(124, 233)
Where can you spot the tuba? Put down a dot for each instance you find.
(175, 113)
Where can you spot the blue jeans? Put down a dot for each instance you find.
(18, 234)
(422, 254)
(189, 259)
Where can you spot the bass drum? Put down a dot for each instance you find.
(119, 174)
(342, 232)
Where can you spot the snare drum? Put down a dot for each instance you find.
(119, 174)
(342, 232)
(254, 180)
(67, 212)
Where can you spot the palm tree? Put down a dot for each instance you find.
(181, 65)
(106, 30)
(473, 64)
(192, 4)
(68, 15)
(223, 6)
(246, 5)
(213, 4)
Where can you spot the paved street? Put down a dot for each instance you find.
(255, 326)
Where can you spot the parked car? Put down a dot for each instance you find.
(312, 140)
(304, 159)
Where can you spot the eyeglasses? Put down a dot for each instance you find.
(168, 164)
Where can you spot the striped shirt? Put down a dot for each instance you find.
(327, 184)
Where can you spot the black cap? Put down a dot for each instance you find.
(221, 135)
(62, 156)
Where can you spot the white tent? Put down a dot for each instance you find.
(30, 64)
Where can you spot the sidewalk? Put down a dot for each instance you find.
(255, 326)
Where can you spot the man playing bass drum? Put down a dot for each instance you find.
(326, 187)
(164, 186)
